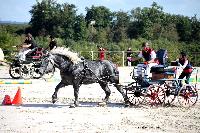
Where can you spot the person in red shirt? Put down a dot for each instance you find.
(101, 53)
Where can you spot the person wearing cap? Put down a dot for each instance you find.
(149, 56)
(185, 66)
(53, 43)
(27, 47)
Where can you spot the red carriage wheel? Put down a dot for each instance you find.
(187, 96)
(155, 95)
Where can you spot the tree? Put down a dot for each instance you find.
(184, 28)
(195, 33)
(45, 16)
(49, 17)
(120, 25)
(80, 29)
(150, 19)
(100, 14)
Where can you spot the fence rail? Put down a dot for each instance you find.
(118, 57)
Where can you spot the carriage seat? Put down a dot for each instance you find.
(38, 53)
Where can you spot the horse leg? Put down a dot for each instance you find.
(76, 92)
(104, 86)
(126, 99)
(54, 96)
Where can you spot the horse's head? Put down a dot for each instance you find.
(61, 58)
(47, 63)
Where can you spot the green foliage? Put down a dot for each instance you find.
(42, 41)
(8, 43)
(101, 16)
(49, 17)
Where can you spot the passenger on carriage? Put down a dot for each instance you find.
(185, 66)
(28, 47)
(149, 55)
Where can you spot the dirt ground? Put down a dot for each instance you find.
(38, 114)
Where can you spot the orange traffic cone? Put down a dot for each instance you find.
(7, 100)
(17, 99)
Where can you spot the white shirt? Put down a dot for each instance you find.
(152, 54)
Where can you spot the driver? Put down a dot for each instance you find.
(149, 56)
(27, 47)
(53, 43)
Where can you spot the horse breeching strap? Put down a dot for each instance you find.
(85, 68)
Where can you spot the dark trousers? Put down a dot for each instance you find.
(187, 75)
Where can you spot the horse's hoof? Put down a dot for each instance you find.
(102, 104)
(127, 104)
(76, 104)
(72, 106)
(54, 100)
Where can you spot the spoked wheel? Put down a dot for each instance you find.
(169, 95)
(14, 71)
(36, 73)
(26, 71)
(155, 95)
(187, 96)
(136, 96)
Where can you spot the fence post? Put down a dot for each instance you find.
(92, 54)
(123, 58)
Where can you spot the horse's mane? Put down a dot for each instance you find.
(65, 52)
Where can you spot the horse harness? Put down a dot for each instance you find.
(87, 69)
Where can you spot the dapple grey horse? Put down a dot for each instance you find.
(76, 71)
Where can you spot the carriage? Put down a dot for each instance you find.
(29, 68)
(159, 89)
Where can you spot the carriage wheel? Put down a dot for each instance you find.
(26, 71)
(36, 74)
(169, 95)
(155, 95)
(136, 96)
(14, 72)
(187, 96)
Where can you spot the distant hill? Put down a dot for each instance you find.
(12, 22)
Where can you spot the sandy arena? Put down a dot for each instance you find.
(38, 114)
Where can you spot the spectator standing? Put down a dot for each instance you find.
(101, 53)
(129, 53)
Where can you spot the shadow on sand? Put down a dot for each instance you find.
(61, 105)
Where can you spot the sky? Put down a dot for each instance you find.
(18, 10)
